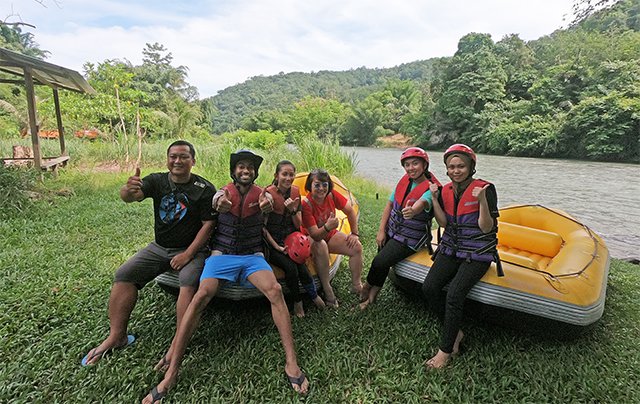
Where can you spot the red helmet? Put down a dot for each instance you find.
(414, 152)
(460, 148)
(298, 247)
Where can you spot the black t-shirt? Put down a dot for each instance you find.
(179, 209)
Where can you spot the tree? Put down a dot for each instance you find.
(585, 8)
(12, 37)
(159, 78)
(473, 78)
(399, 98)
(9, 19)
(517, 61)
(605, 128)
(316, 116)
(363, 124)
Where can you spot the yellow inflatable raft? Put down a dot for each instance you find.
(555, 267)
(169, 282)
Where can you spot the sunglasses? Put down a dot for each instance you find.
(318, 185)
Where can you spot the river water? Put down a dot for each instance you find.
(603, 196)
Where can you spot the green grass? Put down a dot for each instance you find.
(58, 262)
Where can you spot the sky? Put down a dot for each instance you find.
(226, 42)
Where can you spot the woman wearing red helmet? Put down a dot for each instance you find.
(467, 209)
(288, 248)
(405, 226)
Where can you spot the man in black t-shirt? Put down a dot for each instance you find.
(183, 223)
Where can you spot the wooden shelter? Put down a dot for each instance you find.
(38, 72)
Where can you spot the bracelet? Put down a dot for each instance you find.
(355, 234)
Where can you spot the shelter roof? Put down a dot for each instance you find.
(44, 72)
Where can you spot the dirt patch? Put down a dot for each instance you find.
(107, 167)
(398, 141)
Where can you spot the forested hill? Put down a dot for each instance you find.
(262, 93)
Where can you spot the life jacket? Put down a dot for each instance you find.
(415, 233)
(239, 231)
(280, 220)
(462, 236)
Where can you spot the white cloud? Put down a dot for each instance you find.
(226, 43)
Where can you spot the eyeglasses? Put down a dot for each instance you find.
(318, 185)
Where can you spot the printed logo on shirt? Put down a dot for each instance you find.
(173, 207)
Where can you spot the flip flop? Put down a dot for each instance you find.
(157, 396)
(93, 353)
(297, 381)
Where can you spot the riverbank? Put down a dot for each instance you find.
(60, 256)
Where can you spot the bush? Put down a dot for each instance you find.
(16, 184)
(263, 139)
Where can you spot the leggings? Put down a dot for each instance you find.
(391, 253)
(463, 275)
(294, 274)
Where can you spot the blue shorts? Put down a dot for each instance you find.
(234, 268)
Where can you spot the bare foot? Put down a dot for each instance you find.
(298, 309)
(163, 363)
(332, 304)
(364, 293)
(370, 297)
(319, 302)
(357, 288)
(106, 347)
(329, 296)
(439, 361)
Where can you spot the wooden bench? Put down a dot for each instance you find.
(52, 163)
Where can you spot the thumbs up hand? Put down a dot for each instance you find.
(435, 190)
(224, 203)
(266, 201)
(132, 189)
(478, 192)
(332, 222)
(407, 211)
(134, 183)
(292, 204)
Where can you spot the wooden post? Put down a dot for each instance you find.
(56, 102)
(33, 119)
